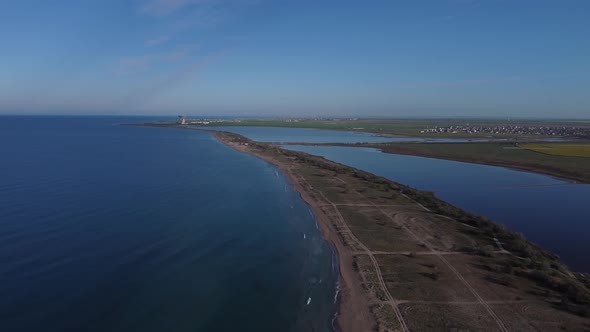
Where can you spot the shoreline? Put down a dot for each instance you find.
(513, 166)
(351, 315)
(518, 166)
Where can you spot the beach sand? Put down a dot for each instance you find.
(353, 311)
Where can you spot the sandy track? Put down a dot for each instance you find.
(449, 265)
(434, 252)
(390, 298)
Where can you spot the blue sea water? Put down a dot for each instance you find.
(113, 228)
(551, 212)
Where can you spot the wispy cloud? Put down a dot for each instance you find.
(163, 7)
(192, 14)
(468, 82)
(161, 84)
(157, 41)
(167, 7)
(142, 63)
(469, 3)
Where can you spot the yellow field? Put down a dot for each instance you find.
(558, 149)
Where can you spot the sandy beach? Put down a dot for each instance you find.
(353, 312)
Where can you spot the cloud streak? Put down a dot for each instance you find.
(168, 7)
(142, 95)
(142, 63)
(157, 41)
(162, 7)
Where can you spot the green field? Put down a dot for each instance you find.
(402, 127)
(560, 149)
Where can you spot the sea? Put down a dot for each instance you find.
(106, 227)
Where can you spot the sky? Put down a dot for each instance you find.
(290, 58)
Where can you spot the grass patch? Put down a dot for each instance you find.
(558, 149)
(575, 167)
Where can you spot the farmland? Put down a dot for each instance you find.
(570, 150)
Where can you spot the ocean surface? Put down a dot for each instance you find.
(551, 212)
(115, 228)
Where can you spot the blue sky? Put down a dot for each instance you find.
(296, 58)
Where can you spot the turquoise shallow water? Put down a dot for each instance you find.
(551, 212)
(112, 228)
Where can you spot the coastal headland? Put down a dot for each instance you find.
(411, 262)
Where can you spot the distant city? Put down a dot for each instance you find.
(558, 131)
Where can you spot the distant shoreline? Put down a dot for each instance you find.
(554, 168)
(407, 149)
(525, 168)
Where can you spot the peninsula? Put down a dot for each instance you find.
(412, 262)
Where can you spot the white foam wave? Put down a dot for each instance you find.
(337, 291)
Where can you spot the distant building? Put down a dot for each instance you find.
(181, 119)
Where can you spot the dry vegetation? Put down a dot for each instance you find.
(428, 265)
